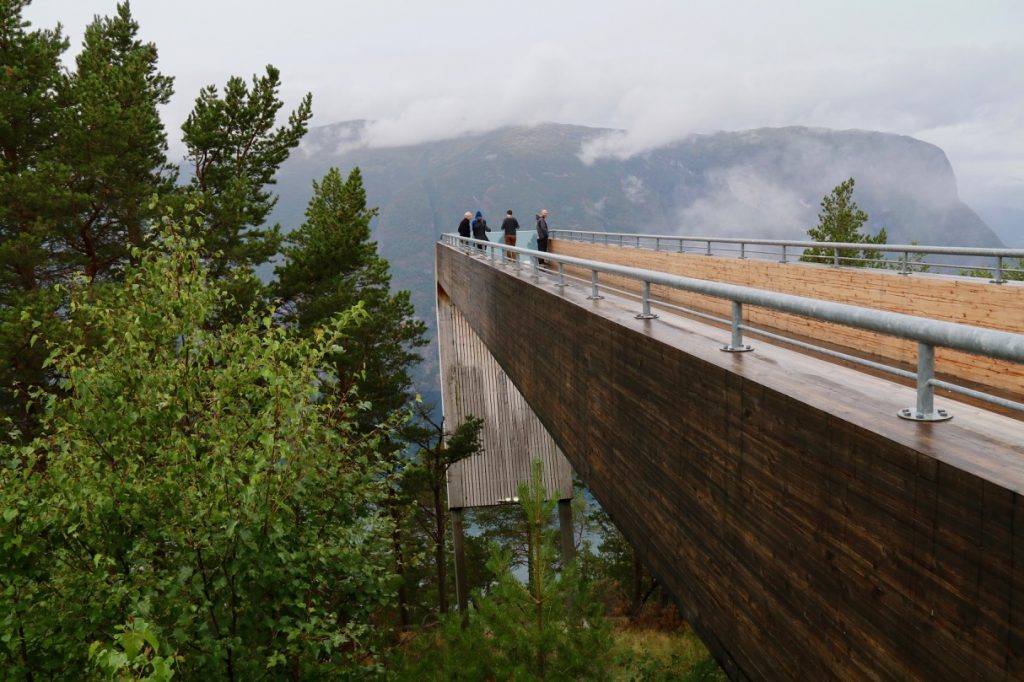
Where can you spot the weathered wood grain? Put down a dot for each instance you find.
(473, 384)
(807, 532)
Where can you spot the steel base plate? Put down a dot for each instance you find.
(911, 414)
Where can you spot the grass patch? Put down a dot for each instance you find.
(661, 655)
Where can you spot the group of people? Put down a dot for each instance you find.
(477, 227)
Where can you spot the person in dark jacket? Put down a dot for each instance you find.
(542, 233)
(480, 228)
(509, 226)
(464, 225)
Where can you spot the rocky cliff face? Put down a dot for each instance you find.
(758, 183)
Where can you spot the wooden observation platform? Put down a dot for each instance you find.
(805, 530)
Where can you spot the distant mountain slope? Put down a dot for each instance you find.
(1007, 222)
(758, 183)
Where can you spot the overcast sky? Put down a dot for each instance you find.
(950, 72)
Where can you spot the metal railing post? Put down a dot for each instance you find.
(998, 275)
(708, 252)
(680, 246)
(536, 266)
(646, 313)
(595, 295)
(657, 243)
(736, 345)
(835, 257)
(783, 254)
(561, 275)
(743, 250)
(925, 410)
(905, 268)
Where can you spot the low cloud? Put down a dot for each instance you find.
(635, 191)
(659, 71)
(741, 202)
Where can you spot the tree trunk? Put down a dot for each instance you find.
(439, 558)
(638, 587)
(396, 541)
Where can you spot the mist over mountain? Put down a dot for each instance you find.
(764, 183)
(1007, 221)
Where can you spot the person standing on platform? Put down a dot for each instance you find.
(509, 226)
(480, 229)
(464, 225)
(542, 233)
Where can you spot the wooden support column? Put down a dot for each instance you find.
(565, 526)
(461, 588)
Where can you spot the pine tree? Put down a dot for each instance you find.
(550, 628)
(82, 154)
(840, 220)
(234, 151)
(330, 264)
(114, 142)
(33, 93)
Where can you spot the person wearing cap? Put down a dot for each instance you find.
(509, 226)
(464, 225)
(542, 232)
(480, 229)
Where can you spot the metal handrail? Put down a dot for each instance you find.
(928, 333)
(907, 266)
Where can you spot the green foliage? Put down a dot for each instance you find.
(186, 474)
(82, 152)
(550, 628)
(329, 265)
(134, 656)
(664, 656)
(840, 220)
(27, 323)
(626, 584)
(234, 151)
(1012, 271)
(33, 94)
(114, 142)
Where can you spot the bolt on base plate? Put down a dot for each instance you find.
(737, 349)
(913, 415)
